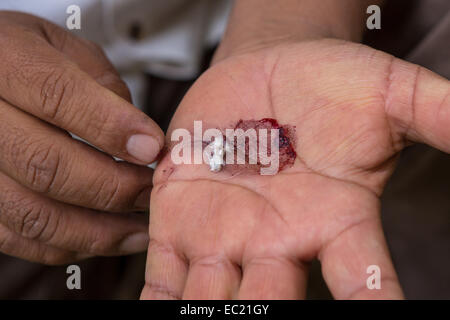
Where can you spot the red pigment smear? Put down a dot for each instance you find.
(287, 152)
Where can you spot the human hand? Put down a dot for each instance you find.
(60, 199)
(219, 236)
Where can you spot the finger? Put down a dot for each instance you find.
(418, 104)
(166, 272)
(42, 81)
(14, 245)
(88, 56)
(273, 278)
(347, 258)
(68, 227)
(45, 159)
(212, 278)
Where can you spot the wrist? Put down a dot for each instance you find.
(256, 24)
(234, 44)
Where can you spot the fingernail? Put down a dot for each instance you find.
(143, 199)
(134, 243)
(143, 147)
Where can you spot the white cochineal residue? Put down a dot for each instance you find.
(216, 157)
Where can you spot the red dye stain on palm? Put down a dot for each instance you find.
(286, 143)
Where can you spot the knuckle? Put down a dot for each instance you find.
(56, 91)
(28, 218)
(42, 165)
(109, 193)
(35, 161)
(31, 222)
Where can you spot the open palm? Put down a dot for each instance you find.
(246, 236)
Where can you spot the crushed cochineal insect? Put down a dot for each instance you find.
(248, 147)
(287, 154)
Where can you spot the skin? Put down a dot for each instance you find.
(225, 237)
(60, 199)
(355, 109)
(251, 236)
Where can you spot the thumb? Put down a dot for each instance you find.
(418, 104)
